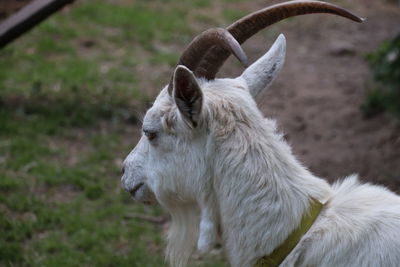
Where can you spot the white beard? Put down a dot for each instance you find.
(182, 234)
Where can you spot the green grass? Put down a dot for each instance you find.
(72, 215)
(233, 14)
(70, 91)
(55, 212)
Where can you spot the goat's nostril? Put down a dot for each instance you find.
(123, 170)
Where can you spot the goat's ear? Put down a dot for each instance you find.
(187, 94)
(261, 73)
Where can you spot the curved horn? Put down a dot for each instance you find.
(249, 25)
(216, 37)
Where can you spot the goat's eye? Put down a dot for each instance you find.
(150, 134)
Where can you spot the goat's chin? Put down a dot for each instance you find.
(145, 195)
(182, 234)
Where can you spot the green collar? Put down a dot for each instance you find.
(280, 253)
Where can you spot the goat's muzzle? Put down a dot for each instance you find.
(139, 191)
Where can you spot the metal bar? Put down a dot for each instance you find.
(27, 18)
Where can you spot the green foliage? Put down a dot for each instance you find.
(385, 66)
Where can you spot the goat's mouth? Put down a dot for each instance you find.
(142, 194)
(135, 189)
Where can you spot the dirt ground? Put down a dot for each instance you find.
(317, 97)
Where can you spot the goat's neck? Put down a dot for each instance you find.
(262, 193)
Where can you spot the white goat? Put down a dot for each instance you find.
(210, 158)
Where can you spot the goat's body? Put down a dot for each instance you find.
(359, 226)
(262, 192)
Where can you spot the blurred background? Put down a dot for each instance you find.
(73, 90)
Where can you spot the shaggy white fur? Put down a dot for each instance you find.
(212, 160)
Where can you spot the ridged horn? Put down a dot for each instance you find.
(215, 37)
(249, 25)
